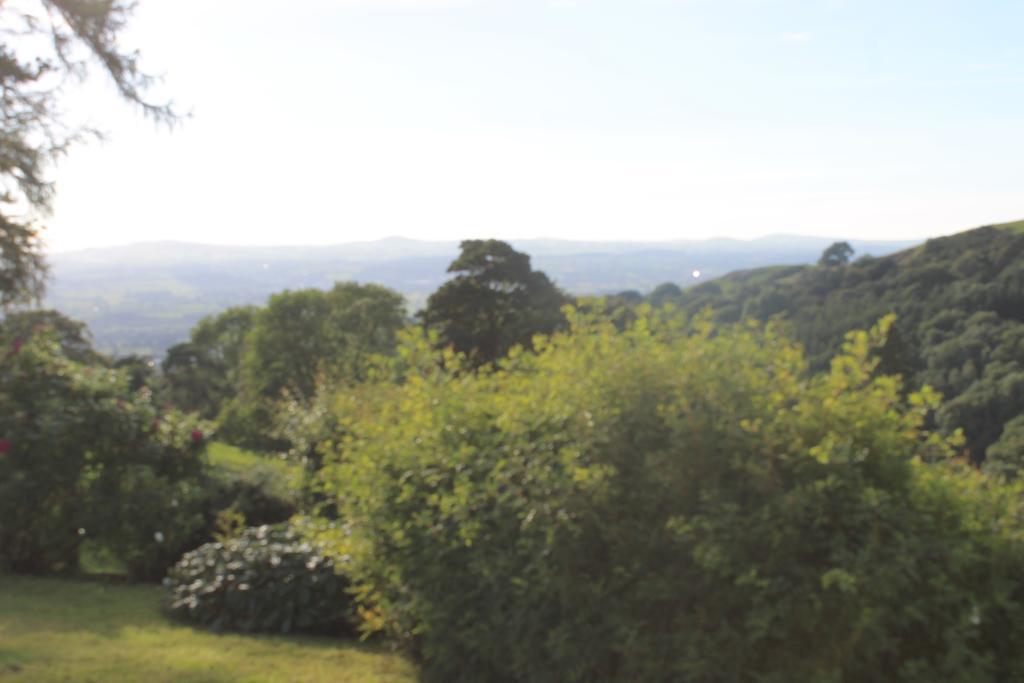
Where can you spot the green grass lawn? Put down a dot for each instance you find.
(242, 463)
(71, 630)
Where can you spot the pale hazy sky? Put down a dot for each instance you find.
(325, 121)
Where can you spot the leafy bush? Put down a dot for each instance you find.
(254, 496)
(168, 521)
(84, 457)
(676, 502)
(262, 487)
(266, 579)
(162, 520)
(149, 522)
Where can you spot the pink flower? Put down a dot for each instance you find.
(16, 347)
(197, 436)
(5, 446)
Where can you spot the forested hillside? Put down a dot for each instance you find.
(960, 326)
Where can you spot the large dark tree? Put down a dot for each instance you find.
(838, 254)
(495, 302)
(45, 45)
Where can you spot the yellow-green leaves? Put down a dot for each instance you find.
(671, 501)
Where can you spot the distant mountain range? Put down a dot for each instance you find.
(142, 298)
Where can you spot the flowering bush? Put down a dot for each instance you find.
(266, 579)
(82, 456)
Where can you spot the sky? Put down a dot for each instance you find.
(329, 121)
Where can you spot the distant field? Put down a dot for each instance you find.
(68, 630)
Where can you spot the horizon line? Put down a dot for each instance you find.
(395, 238)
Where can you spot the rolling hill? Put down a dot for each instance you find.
(960, 325)
(143, 298)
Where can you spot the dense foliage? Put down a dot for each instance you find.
(307, 335)
(72, 335)
(203, 373)
(960, 326)
(84, 457)
(239, 365)
(266, 579)
(88, 456)
(254, 497)
(496, 301)
(1006, 456)
(675, 502)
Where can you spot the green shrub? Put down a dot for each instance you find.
(151, 523)
(263, 487)
(675, 503)
(84, 457)
(255, 496)
(247, 422)
(246, 488)
(1006, 456)
(266, 579)
(157, 521)
(160, 520)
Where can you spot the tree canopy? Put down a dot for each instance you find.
(496, 301)
(45, 45)
(203, 373)
(838, 254)
(306, 336)
(300, 341)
